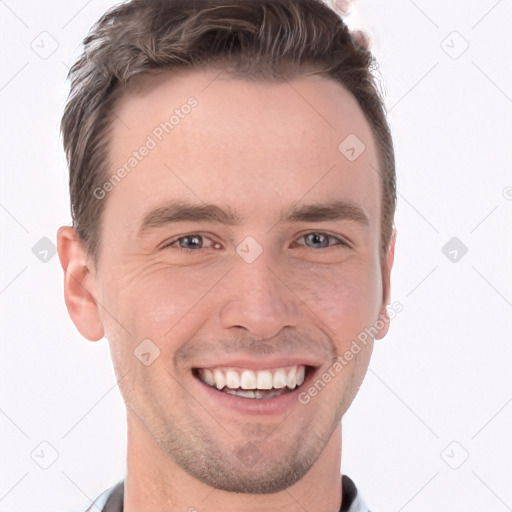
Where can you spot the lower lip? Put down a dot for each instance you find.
(275, 405)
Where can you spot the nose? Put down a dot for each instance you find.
(259, 300)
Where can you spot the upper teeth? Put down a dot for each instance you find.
(234, 378)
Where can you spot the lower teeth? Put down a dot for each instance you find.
(270, 393)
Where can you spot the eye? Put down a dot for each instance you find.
(191, 242)
(319, 240)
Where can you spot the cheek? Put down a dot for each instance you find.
(160, 298)
(345, 300)
(162, 301)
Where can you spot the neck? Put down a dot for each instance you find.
(154, 482)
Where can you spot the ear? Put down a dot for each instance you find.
(79, 284)
(386, 288)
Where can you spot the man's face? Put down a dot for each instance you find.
(266, 292)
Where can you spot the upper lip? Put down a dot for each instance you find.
(260, 364)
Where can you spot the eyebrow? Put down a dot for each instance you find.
(180, 211)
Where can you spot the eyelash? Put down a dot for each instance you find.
(342, 242)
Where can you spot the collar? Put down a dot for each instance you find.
(112, 499)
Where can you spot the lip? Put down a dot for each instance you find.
(267, 364)
(266, 406)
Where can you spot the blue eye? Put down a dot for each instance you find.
(321, 240)
(190, 243)
(193, 242)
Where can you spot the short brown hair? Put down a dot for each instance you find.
(270, 40)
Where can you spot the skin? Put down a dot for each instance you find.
(256, 148)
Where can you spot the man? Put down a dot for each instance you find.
(232, 185)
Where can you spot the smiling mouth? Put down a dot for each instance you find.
(254, 384)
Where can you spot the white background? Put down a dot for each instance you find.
(439, 387)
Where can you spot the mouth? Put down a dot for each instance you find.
(252, 384)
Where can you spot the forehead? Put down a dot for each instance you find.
(244, 144)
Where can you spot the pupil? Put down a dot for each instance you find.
(318, 239)
(194, 241)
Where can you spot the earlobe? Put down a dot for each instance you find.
(79, 285)
(383, 320)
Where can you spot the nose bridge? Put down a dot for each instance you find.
(257, 299)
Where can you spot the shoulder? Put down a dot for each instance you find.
(110, 500)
